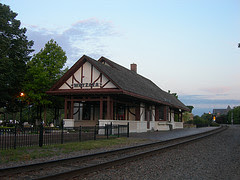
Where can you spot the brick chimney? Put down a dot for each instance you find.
(134, 67)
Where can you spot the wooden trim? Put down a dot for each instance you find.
(105, 84)
(165, 113)
(151, 99)
(157, 113)
(108, 108)
(97, 78)
(69, 73)
(137, 112)
(71, 109)
(85, 91)
(111, 110)
(68, 85)
(65, 108)
(73, 77)
(91, 74)
(101, 80)
(103, 59)
(82, 74)
(101, 108)
(72, 81)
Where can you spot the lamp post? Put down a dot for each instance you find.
(21, 95)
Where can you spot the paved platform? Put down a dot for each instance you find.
(165, 135)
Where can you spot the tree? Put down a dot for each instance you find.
(234, 115)
(44, 70)
(174, 94)
(190, 108)
(200, 121)
(222, 119)
(15, 52)
(207, 117)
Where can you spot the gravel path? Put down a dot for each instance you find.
(217, 157)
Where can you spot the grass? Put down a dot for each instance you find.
(35, 152)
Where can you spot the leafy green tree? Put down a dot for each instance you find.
(187, 117)
(15, 52)
(222, 119)
(200, 122)
(207, 117)
(234, 115)
(190, 108)
(44, 69)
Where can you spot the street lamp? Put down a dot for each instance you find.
(21, 95)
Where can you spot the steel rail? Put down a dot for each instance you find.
(84, 170)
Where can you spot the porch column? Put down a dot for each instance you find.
(65, 108)
(71, 109)
(142, 112)
(101, 108)
(111, 109)
(108, 108)
(137, 112)
(170, 114)
(127, 112)
(156, 113)
(165, 114)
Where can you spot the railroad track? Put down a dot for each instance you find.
(79, 167)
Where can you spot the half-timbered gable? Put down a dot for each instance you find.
(87, 77)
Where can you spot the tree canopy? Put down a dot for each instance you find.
(15, 52)
(44, 69)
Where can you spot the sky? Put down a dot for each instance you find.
(189, 47)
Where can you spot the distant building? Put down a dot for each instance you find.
(219, 112)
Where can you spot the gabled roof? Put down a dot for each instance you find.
(221, 111)
(127, 81)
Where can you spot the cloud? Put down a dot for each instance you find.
(217, 90)
(83, 37)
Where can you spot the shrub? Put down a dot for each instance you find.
(200, 122)
(189, 122)
(214, 124)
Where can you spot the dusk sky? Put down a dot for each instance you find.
(189, 47)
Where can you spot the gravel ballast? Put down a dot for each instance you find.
(216, 157)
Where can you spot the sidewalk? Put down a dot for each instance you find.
(165, 135)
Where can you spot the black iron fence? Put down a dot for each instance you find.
(38, 136)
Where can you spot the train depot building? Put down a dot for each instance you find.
(103, 92)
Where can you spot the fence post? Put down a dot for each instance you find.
(128, 129)
(62, 134)
(111, 128)
(106, 125)
(15, 136)
(41, 135)
(80, 133)
(118, 130)
(95, 132)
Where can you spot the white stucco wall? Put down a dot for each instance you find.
(85, 72)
